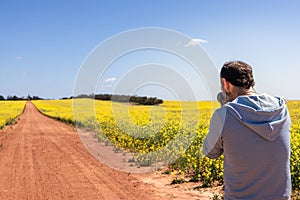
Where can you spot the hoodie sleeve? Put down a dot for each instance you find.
(213, 143)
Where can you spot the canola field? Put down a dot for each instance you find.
(170, 133)
(9, 110)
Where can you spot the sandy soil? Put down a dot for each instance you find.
(41, 158)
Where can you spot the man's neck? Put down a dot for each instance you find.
(242, 92)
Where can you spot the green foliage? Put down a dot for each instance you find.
(10, 121)
(178, 181)
(166, 172)
(295, 195)
(217, 197)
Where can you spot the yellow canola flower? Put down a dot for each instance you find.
(9, 110)
(147, 129)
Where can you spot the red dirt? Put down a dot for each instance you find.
(41, 158)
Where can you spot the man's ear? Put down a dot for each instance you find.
(227, 85)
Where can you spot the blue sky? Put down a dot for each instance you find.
(44, 43)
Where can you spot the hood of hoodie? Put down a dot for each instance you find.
(264, 114)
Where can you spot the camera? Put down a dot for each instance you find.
(221, 98)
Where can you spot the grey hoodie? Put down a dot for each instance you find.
(253, 132)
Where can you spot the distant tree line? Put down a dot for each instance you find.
(104, 97)
(16, 98)
(121, 98)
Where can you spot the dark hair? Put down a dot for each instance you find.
(238, 74)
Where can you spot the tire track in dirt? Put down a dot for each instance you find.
(42, 158)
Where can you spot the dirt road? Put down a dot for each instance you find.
(41, 158)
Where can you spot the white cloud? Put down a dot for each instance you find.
(19, 58)
(104, 87)
(111, 79)
(195, 42)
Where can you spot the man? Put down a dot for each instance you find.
(252, 130)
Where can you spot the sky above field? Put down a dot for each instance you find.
(44, 44)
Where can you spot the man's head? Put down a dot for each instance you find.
(236, 79)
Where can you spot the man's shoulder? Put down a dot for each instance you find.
(221, 112)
